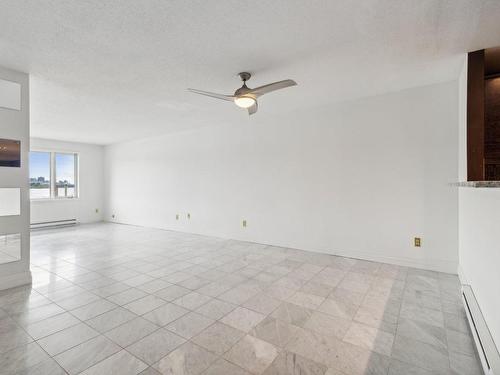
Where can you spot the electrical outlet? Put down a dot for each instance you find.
(189, 216)
(244, 223)
(417, 241)
(176, 216)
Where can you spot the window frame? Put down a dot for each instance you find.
(53, 174)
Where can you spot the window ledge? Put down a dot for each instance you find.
(478, 184)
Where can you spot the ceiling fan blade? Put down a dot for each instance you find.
(258, 91)
(229, 98)
(253, 109)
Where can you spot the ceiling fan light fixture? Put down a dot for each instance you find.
(244, 101)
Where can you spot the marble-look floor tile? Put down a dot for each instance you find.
(279, 292)
(51, 325)
(223, 367)
(154, 286)
(314, 346)
(172, 292)
(111, 319)
(354, 360)
(138, 280)
(377, 318)
(243, 319)
(317, 289)
(144, 305)
(192, 301)
(67, 338)
(13, 338)
(47, 367)
(188, 359)
(274, 331)
(150, 371)
(131, 331)
(87, 354)
(194, 283)
(370, 338)
(189, 325)
(309, 301)
(420, 354)
(32, 301)
(214, 289)
(262, 303)
(93, 309)
(429, 316)
(121, 363)
(463, 364)
(399, 368)
(328, 324)
(293, 314)
(288, 363)
(218, 338)
(111, 289)
(459, 342)
(424, 332)
(338, 307)
(127, 296)
(155, 346)
(78, 300)
(165, 314)
(456, 323)
(252, 354)
(37, 314)
(22, 358)
(215, 309)
(238, 295)
(343, 315)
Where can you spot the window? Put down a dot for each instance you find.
(39, 175)
(53, 175)
(65, 175)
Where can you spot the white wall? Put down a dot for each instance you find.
(361, 179)
(91, 185)
(480, 250)
(14, 124)
(479, 224)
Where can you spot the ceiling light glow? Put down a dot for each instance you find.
(244, 101)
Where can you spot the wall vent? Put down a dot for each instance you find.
(486, 348)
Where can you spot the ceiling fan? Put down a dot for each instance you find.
(246, 97)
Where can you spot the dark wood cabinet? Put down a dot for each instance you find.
(483, 115)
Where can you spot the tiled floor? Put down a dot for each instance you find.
(116, 299)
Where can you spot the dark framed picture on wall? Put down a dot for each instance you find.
(10, 153)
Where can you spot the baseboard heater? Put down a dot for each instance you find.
(53, 224)
(486, 348)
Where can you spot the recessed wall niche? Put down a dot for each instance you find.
(10, 153)
(10, 247)
(10, 201)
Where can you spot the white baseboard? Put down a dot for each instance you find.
(432, 264)
(17, 279)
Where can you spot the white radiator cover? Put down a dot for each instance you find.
(486, 348)
(53, 224)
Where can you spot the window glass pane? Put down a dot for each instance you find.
(39, 175)
(65, 175)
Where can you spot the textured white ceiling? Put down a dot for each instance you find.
(105, 71)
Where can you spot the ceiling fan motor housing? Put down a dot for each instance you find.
(245, 76)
